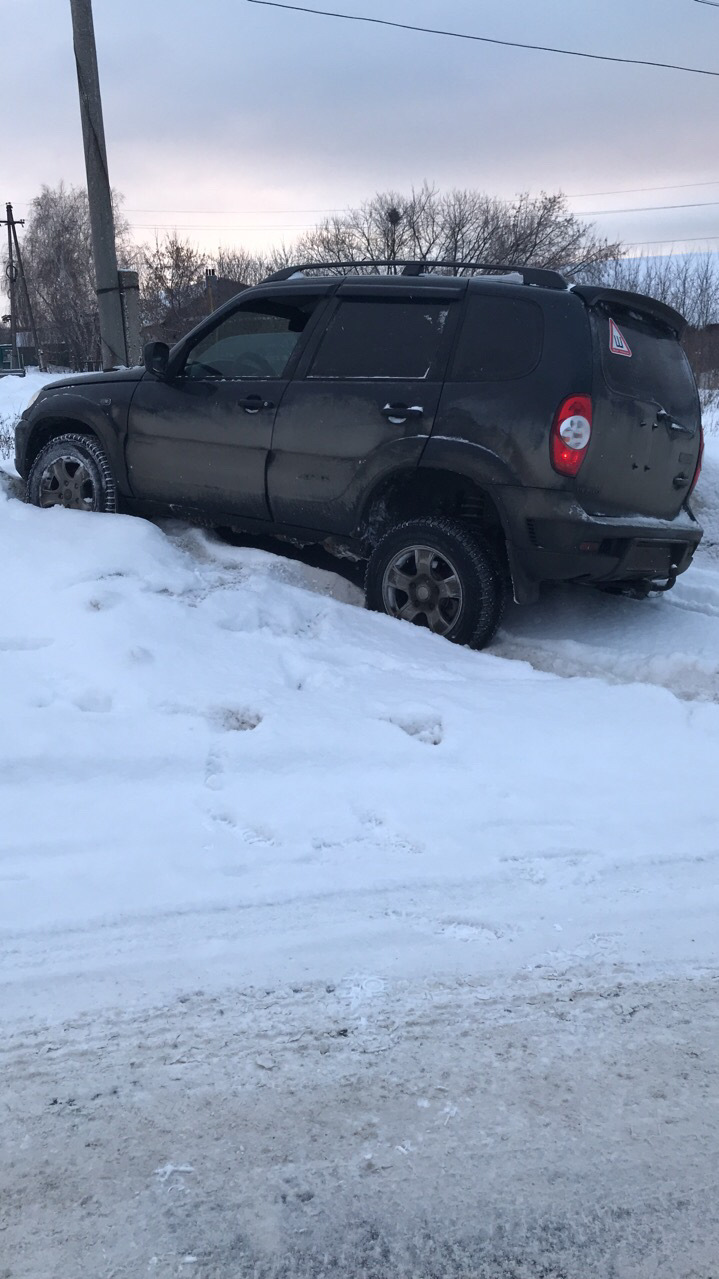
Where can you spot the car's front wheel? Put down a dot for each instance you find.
(438, 574)
(73, 471)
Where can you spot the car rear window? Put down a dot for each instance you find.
(501, 340)
(644, 359)
(387, 338)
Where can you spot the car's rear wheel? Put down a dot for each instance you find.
(440, 575)
(73, 471)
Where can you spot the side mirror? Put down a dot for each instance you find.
(155, 356)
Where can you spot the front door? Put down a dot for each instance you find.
(361, 405)
(201, 439)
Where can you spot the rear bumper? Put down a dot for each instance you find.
(551, 538)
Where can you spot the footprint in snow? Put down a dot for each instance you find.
(95, 702)
(234, 719)
(214, 769)
(257, 835)
(428, 731)
(101, 603)
(141, 656)
(224, 820)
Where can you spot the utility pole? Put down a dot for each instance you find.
(14, 223)
(11, 272)
(16, 271)
(102, 223)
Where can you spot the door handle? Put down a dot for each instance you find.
(400, 412)
(253, 403)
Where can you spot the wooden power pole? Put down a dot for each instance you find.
(102, 222)
(11, 272)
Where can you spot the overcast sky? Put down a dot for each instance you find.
(238, 124)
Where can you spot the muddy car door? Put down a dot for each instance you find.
(200, 438)
(363, 401)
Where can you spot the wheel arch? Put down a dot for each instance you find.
(431, 491)
(51, 428)
(70, 414)
(454, 492)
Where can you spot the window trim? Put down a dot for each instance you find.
(437, 369)
(246, 302)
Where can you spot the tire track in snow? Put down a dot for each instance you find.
(543, 1129)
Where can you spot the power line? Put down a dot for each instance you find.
(279, 226)
(464, 35)
(681, 239)
(224, 226)
(650, 208)
(572, 195)
(235, 213)
(671, 186)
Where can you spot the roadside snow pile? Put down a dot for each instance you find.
(14, 395)
(215, 765)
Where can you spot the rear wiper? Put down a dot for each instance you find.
(667, 420)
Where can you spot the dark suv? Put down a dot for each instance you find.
(455, 430)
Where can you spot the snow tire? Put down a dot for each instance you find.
(463, 584)
(83, 462)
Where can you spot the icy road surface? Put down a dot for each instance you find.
(329, 949)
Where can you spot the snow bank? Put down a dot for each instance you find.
(215, 763)
(14, 395)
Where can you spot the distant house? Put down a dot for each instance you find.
(178, 321)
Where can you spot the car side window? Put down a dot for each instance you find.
(255, 341)
(382, 338)
(501, 340)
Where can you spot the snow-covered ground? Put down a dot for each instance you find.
(329, 948)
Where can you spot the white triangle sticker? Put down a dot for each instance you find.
(618, 344)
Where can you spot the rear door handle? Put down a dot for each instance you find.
(253, 403)
(400, 412)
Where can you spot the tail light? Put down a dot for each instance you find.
(571, 433)
(700, 459)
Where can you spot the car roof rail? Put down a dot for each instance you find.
(417, 266)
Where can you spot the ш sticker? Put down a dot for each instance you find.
(618, 344)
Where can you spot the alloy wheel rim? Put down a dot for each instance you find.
(67, 482)
(421, 585)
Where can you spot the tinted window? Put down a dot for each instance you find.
(501, 339)
(255, 341)
(381, 339)
(653, 367)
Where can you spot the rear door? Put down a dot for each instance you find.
(646, 430)
(362, 403)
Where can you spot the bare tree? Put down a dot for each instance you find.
(57, 253)
(458, 226)
(688, 282)
(241, 265)
(172, 279)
